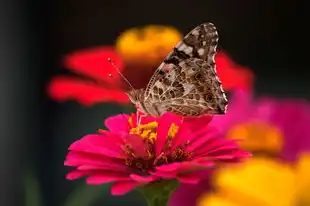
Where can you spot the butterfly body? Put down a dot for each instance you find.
(186, 82)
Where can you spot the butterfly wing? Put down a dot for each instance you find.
(200, 43)
(191, 88)
(186, 82)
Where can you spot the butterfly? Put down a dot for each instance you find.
(186, 82)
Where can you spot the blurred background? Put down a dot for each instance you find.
(267, 37)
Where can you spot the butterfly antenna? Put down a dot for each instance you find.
(119, 72)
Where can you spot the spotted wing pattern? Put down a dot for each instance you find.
(186, 82)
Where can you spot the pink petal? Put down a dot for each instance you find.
(75, 174)
(142, 179)
(171, 171)
(218, 146)
(99, 167)
(168, 167)
(164, 124)
(164, 175)
(183, 135)
(197, 123)
(194, 166)
(118, 123)
(76, 158)
(106, 177)
(201, 138)
(138, 145)
(122, 187)
(107, 145)
(205, 162)
(190, 178)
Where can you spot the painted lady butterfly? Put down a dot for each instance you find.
(186, 82)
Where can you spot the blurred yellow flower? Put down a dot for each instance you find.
(261, 182)
(152, 43)
(303, 180)
(258, 137)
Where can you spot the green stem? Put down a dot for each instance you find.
(158, 193)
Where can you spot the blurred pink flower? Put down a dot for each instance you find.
(270, 125)
(163, 148)
(286, 123)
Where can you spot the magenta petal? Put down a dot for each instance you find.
(183, 135)
(218, 147)
(164, 175)
(81, 158)
(122, 187)
(107, 145)
(202, 137)
(190, 178)
(96, 167)
(162, 131)
(168, 167)
(142, 179)
(106, 177)
(195, 124)
(75, 174)
(164, 124)
(118, 123)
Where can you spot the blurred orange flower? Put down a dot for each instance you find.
(138, 52)
(147, 46)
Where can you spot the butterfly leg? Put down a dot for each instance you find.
(139, 115)
(140, 119)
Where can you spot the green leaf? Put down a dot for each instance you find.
(86, 194)
(32, 190)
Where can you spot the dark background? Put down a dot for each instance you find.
(270, 37)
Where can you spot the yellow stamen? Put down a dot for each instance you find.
(173, 130)
(146, 131)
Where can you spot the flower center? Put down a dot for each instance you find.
(147, 131)
(258, 137)
(141, 150)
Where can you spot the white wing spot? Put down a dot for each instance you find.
(204, 43)
(201, 51)
(186, 49)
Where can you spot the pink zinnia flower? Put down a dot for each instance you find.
(269, 126)
(278, 126)
(163, 148)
